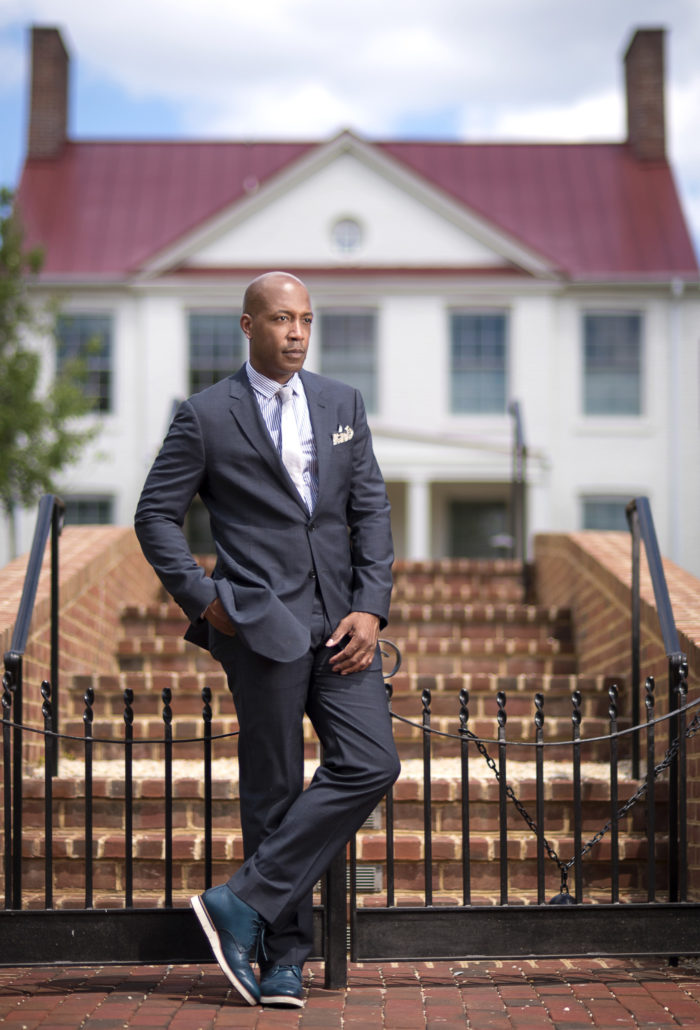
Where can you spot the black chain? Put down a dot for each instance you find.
(670, 754)
(510, 793)
(564, 867)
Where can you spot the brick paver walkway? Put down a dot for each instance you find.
(564, 994)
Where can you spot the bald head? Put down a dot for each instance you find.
(257, 291)
(277, 321)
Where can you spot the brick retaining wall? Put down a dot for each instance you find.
(591, 573)
(101, 569)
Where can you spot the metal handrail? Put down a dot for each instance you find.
(641, 525)
(642, 529)
(44, 524)
(641, 507)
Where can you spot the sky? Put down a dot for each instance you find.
(506, 70)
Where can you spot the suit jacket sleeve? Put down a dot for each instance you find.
(369, 523)
(172, 483)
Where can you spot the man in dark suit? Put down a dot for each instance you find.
(283, 461)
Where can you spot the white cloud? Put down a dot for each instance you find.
(307, 110)
(600, 117)
(684, 133)
(515, 69)
(377, 57)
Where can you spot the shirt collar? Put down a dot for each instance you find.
(268, 387)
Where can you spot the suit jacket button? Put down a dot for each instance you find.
(312, 575)
(310, 527)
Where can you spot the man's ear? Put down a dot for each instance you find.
(246, 322)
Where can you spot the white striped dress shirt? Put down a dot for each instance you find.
(271, 410)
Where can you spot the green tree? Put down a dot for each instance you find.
(39, 434)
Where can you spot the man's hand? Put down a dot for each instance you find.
(363, 630)
(216, 615)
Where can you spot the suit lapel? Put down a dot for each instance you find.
(321, 417)
(246, 412)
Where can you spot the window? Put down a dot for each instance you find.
(349, 351)
(479, 363)
(346, 235)
(89, 511)
(612, 364)
(217, 347)
(605, 513)
(88, 338)
(478, 529)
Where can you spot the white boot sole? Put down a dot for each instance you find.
(215, 945)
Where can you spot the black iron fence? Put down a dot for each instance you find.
(662, 923)
(655, 918)
(641, 826)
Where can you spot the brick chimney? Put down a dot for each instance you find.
(48, 104)
(644, 80)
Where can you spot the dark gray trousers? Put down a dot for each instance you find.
(290, 835)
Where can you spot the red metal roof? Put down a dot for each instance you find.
(592, 209)
(102, 209)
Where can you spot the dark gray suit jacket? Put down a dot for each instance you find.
(270, 552)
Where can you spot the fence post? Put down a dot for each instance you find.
(14, 665)
(633, 519)
(336, 923)
(56, 527)
(675, 678)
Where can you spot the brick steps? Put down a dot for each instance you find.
(460, 625)
(461, 580)
(407, 688)
(446, 656)
(436, 617)
(187, 726)
(447, 578)
(109, 869)
(166, 620)
(148, 847)
(188, 789)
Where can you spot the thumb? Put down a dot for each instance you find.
(337, 634)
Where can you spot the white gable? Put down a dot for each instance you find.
(296, 226)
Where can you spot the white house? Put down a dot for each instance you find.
(447, 280)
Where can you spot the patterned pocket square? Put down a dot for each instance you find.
(343, 435)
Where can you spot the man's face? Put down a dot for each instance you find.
(279, 327)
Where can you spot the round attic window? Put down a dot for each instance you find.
(346, 235)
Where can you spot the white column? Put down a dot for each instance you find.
(674, 422)
(418, 519)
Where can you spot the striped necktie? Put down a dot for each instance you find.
(292, 455)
